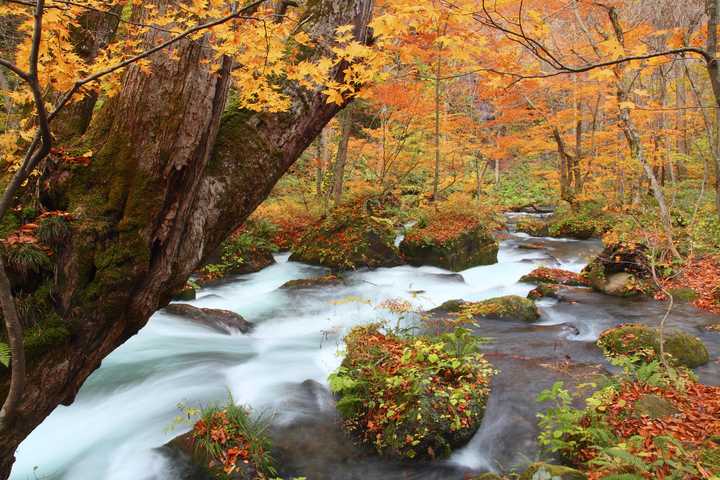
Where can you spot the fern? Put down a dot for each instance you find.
(5, 354)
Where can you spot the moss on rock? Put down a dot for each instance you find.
(644, 342)
(510, 307)
(534, 227)
(347, 239)
(452, 244)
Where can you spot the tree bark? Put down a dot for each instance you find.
(172, 176)
(95, 32)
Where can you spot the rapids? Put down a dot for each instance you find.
(123, 414)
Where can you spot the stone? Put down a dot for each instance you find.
(222, 321)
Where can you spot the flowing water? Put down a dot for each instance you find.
(123, 413)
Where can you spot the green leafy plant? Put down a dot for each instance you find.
(5, 354)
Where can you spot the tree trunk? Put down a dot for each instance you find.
(322, 162)
(172, 176)
(342, 154)
(436, 177)
(713, 69)
(95, 32)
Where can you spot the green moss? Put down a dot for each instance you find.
(684, 294)
(10, 223)
(644, 342)
(45, 337)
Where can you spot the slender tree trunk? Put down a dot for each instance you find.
(436, 178)
(323, 161)
(171, 178)
(713, 69)
(577, 175)
(342, 154)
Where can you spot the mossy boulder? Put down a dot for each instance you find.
(653, 406)
(545, 471)
(684, 294)
(644, 342)
(456, 251)
(412, 397)
(554, 276)
(534, 227)
(510, 308)
(581, 221)
(621, 270)
(188, 292)
(544, 290)
(349, 239)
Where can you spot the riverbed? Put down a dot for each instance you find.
(125, 412)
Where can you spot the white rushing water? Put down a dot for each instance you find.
(124, 410)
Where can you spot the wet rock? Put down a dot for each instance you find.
(683, 294)
(545, 471)
(223, 321)
(511, 308)
(621, 270)
(641, 340)
(462, 250)
(554, 276)
(544, 291)
(304, 283)
(192, 463)
(531, 246)
(654, 406)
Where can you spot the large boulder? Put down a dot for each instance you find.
(509, 308)
(621, 270)
(644, 342)
(454, 243)
(412, 397)
(223, 321)
(348, 239)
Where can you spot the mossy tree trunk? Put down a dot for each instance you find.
(174, 172)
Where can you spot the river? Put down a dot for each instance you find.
(124, 412)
